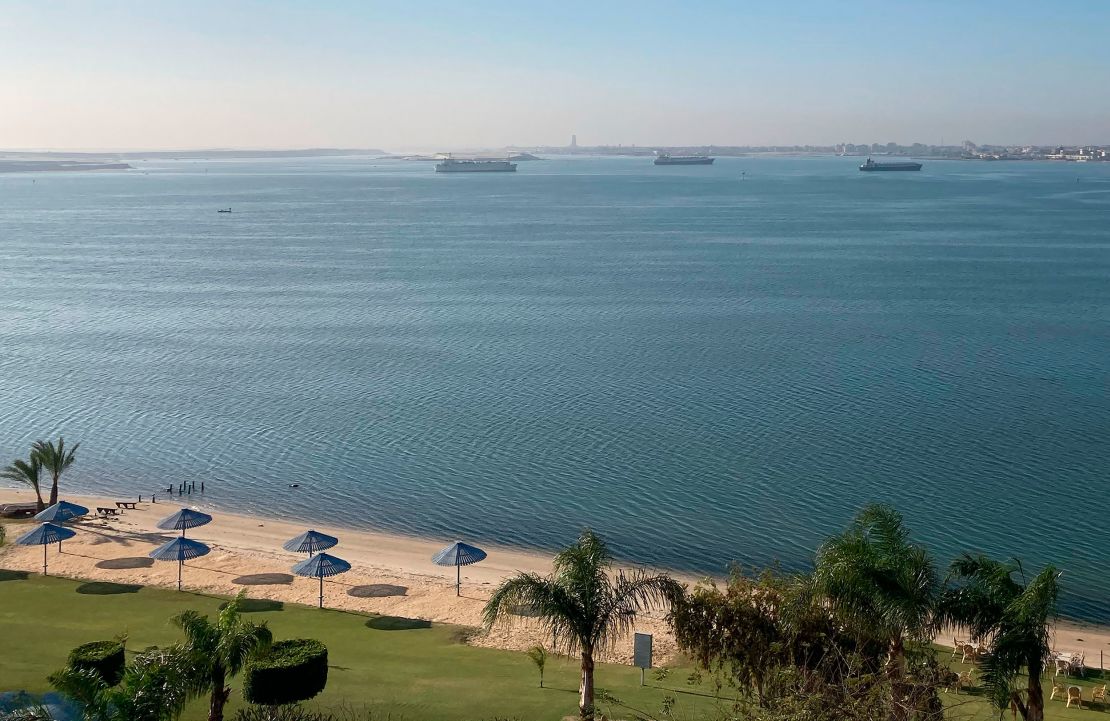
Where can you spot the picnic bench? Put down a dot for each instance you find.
(129, 505)
(105, 512)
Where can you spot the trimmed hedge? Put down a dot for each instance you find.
(291, 671)
(104, 657)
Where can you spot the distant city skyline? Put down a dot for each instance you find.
(430, 75)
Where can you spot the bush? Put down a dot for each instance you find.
(105, 658)
(292, 670)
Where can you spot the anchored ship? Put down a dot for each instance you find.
(872, 165)
(453, 165)
(666, 159)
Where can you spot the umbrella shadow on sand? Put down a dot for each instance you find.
(264, 579)
(377, 590)
(126, 563)
(125, 538)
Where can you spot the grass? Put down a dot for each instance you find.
(971, 704)
(397, 668)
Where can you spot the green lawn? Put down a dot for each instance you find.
(971, 704)
(398, 668)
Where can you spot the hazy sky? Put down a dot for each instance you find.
(411, 74)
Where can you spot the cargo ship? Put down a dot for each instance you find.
(872, 165)
(453, 165)
(666, 159)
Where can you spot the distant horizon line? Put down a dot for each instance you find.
(411, 149)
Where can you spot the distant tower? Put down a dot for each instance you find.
(574, 141)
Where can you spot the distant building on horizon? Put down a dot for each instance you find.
(574, 141)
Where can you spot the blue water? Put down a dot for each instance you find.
(705, 364)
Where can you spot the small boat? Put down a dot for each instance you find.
(224, 210)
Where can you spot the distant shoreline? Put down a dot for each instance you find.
(68, 166)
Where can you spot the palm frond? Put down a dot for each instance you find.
(21, 471)
(542, 597)
(630, 595)
(87, 688)
(54, 456)
(877, 580)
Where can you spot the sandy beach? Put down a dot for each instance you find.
(391, 574)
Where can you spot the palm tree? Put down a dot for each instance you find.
(581, 604)
(1013, 617)
(153, 688)
(28, 473)
(220, 650)
(885, 587)
(55, 459)
(538, 654)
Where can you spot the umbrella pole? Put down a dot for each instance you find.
(321, 590)
(180, 563)
(458, 580)
(44, 559)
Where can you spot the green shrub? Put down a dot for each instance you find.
(292, 670)
(105, 658)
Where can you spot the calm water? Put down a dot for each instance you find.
(705, 366)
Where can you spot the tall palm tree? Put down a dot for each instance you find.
(220, 650)
(885, 587)
(153, 688)
(28, 473)
(1013, 617)
(582, 605)
(55, 459)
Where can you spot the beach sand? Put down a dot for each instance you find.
(391, 575)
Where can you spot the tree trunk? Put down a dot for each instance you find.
(220, 695)
(586, 700)
(54, 491)
(896, 675)
(38, 500)
(1034, 704)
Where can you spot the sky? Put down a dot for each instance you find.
(117, 74)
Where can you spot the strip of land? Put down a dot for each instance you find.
(391, 574)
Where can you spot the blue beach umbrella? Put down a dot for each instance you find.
(459, 554)
(180, 550)
(310, 542)
(185, 518)
(61, 512)
(320, 566)
(43, 536)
